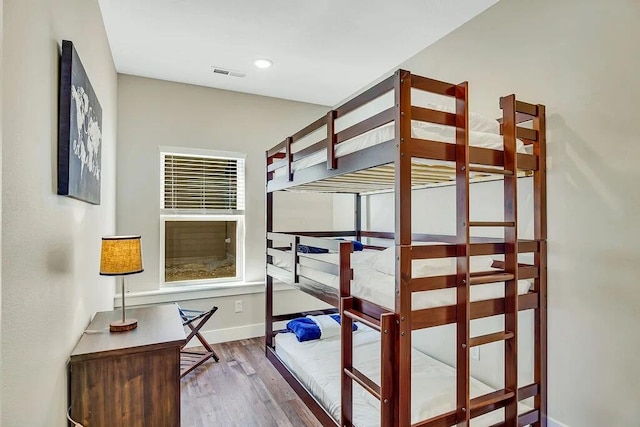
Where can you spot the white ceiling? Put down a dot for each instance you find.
(322, 50)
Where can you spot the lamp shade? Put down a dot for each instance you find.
(121, 255)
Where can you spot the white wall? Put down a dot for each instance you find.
(50, 281)
(154, 113)
(1, 56)
(581, 60)
(433, 212)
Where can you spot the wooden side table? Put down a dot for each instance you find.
(129, 378)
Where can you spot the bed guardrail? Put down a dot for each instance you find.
(290, 250)
(294, 148)
(283, 155)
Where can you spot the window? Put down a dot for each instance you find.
(202, 216)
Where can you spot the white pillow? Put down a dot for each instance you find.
(385, 263)
(477, 122)
(480, 123)
(328, 326)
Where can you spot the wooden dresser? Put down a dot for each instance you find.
(128, 378)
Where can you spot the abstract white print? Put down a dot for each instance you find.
(86, 147)
(80, 137)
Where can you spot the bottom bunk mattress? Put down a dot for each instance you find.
(316, 364)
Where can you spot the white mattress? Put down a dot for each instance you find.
(387, 132)
(378, 287)
(317, 365)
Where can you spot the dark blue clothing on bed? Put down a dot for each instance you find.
(311, 250)
(357, 246)
(336, 317)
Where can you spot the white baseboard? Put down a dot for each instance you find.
(553, 423)
(171, 294)
(214, 336)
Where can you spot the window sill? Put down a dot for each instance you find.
(191, 292)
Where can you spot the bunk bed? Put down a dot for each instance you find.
(419, 280)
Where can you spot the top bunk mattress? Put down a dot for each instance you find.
(419, 130)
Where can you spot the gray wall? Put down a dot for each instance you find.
(581, 60)
(1, 135)
(154, 113)
(50, 281)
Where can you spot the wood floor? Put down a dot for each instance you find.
(243, 389)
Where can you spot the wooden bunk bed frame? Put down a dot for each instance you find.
(343, 174)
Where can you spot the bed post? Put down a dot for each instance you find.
(402, 89)
(346, 334)
(358, 216)
(331, 140)
(540, 283)
(268, 324)
(387, 363)
(289, 157)
(463, 310)
(510, 258)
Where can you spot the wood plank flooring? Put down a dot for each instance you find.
(243, 389)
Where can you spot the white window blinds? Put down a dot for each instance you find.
(202, 182)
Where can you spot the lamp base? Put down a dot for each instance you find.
(120, 326)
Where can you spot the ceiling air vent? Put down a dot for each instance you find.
(227, 72)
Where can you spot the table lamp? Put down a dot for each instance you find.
(121, 256)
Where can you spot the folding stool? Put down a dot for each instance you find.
(190, 359)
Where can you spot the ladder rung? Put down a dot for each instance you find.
(483, 169)
(363, 318)
(444, 420)
(491, 224)
(525, 419)
(521, 107)
(364, 381)
(490, 278)
(529, 418)
(528, 391)
(486, 339)
(489, 401)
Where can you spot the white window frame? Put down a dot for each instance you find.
(169, 215)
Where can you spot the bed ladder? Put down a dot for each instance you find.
(383, 392)
(507, 397)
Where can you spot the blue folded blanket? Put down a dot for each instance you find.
(306, 329)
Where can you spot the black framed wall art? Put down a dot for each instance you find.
(79, 131)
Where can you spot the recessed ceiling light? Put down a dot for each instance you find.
(263, 63)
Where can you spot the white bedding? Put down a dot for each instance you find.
(317, 365)
(378, 287)
(387, 132)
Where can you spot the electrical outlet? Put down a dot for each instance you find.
(475, 353)
(238, 306)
